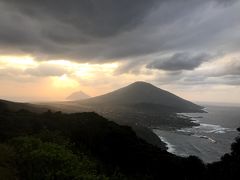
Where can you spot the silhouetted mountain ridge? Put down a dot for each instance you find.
(142, 94)
(16, 106)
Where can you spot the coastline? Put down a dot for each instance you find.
(169, 147)
(188, 123)
(208, 139)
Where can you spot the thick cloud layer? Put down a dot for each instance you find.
(103, 30)
(174, 36)
(179, 61)
(67, 28)
(95, 18)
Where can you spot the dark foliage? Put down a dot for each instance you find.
(88, 146)
(229, 166)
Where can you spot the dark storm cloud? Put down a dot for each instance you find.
(70, 22)
(179, 61)
(107, 30)
(97, 18)
(72, 29)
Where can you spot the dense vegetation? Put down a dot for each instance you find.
(88, 146)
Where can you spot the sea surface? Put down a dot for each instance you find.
(210, 140)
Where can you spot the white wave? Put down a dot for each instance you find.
(192, 118)
(203, 127)
(170, 147)
(197, 131)
(211, 128)
(185, 130)
(205, 137)
(205, 110)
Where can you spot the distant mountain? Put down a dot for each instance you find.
(78, 96)
(139, 105)
(144, 95)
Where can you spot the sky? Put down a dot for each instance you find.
(52, 48)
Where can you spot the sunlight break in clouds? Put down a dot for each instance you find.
(57, 78)
(21, 62)
(26, 79)
(52, 49)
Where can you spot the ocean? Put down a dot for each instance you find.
(210, 140)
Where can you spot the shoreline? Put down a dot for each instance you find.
(169, 147)
(208, 132)
(180, 116)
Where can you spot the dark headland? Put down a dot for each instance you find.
(42, 145)
(139, 105)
